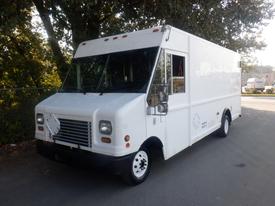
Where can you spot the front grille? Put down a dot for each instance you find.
(74, 131)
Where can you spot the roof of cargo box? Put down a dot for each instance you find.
(122, 42)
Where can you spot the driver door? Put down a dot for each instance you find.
(177, 118)
(168, 102)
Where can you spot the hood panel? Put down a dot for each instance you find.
(80, 104)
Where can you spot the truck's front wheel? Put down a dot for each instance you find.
(138, 167)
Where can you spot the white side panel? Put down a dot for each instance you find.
(215, 71)
(175, 40)
(177, 127)
(156, 127)
(206, 117)
(215, 85)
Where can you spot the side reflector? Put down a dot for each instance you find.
(106, 140)
(127, 145)
(40, 128)
(126, 138)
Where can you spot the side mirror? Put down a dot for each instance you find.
(163, 94)
(163, 107)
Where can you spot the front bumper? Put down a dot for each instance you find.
(116, 164)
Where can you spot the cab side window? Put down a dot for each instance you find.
(169, 74)
(178, 74)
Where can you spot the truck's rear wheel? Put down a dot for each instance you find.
(224, 129)
(138, 167)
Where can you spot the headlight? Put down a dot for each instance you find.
(105, 127)
(39, 118)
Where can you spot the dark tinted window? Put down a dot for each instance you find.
(178, 74)
(127, 71)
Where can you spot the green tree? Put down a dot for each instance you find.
(231, 23)
(26, 66)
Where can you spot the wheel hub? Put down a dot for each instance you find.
(140, 164)
(226, 126)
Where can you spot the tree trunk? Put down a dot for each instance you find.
(58, 56)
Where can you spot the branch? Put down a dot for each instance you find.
(58, 56)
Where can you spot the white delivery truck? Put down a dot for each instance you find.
(255, 84)
(130, 95)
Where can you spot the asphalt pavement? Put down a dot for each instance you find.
(238, 170)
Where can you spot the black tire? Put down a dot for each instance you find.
(224, 129)
(131, 176)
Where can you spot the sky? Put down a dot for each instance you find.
(267, 55)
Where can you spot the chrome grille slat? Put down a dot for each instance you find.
(75, 132)
(75, 127)
(72, 139)
(75, 122)
(72, 135)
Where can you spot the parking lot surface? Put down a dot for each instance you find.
(238, 170)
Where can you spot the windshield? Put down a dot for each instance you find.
(127, 71)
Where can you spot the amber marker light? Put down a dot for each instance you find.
(156, 30)
(106, 140)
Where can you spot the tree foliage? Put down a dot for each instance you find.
(231, 23)
(26, 66)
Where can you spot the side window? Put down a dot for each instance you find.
(170, 71)
(178, 83)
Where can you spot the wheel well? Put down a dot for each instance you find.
(228, 113)
(155, 146)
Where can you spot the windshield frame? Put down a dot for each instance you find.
(106, 58)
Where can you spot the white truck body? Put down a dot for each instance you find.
(255, 83)
(212, 84)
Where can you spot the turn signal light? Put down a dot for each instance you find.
(106, 140)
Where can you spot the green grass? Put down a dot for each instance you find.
(258, 95)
